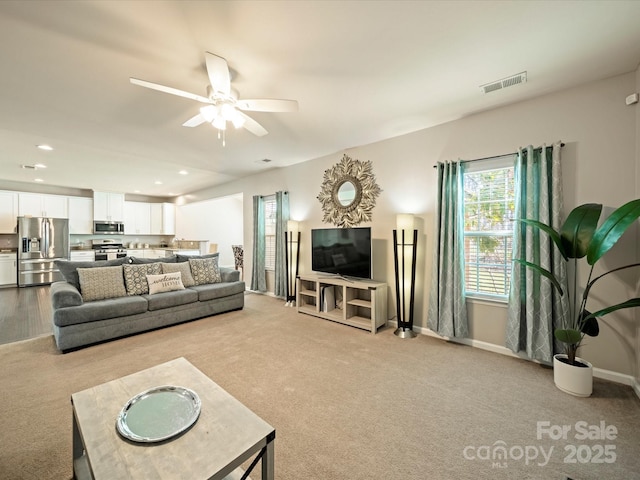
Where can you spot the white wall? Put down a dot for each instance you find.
(599, 165)
(217, 220)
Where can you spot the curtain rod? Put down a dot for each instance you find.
(496, 156)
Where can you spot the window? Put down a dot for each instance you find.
(489, 203)
(270, 232)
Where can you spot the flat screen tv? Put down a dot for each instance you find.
(342, 251)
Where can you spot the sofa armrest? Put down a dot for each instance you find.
(229, 274)
(64, 294)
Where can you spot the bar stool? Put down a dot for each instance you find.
(238, 256)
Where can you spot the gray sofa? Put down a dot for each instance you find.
(78, 323)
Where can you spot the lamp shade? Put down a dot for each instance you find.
(405, 223)
(208, 113)
(292, 226)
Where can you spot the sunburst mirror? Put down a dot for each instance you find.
(348, 193)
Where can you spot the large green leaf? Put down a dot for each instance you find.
(631, 303)
(612, 229)
(569, 336)
(542, 271)
(555, 236)
(589, 325)
(578, 229)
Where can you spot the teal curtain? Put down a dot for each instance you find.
(534, 305)
(447, 314)
(258, 278)
(282, 216)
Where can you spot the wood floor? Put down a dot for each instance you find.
(24, 313)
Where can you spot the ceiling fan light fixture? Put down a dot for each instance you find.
(237, 121)
(208, 112)
(220, 123)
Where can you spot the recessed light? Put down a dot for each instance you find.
(136, 191)
(38, 180)
(183, 172)
(45, 147)
(40, 165)
(158, 182)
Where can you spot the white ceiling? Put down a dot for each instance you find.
(362, 71)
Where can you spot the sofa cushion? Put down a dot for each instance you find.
(165, 282)
(185, 271)
(99, 283)
(217, 290)
(186, 258)
(163, 300)
(100, 310)
(205, 270)
(135, 277)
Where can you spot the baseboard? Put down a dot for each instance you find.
(597, 372)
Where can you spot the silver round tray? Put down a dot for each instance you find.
(158, 414)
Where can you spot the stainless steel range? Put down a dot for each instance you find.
(108, 249)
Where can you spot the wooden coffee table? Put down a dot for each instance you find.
(226, 434)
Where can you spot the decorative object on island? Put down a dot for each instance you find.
(292, 259)
(348, 192)
(405, 246)
(581, 237)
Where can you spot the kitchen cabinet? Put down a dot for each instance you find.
(82, 255)
(8, 212)
(42, 205)
(108, 206)
(80, 215)
(8, 269)
(137, 219)
(163, 219)
(147, 253)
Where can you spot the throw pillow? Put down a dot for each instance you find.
(166, 282)
(205, 270)
(184, 269)
(135, 277)
(99, 283)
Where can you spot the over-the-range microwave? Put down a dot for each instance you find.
(108, 228)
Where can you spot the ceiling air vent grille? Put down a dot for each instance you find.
(504, 83)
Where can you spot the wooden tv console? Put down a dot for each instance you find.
(359, 303)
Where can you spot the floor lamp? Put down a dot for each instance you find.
(291, 257)
(405, 245)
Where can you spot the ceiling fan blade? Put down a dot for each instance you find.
(268, 105)
(194, 121)
(253, 126)
(172, 91)
(218, 71)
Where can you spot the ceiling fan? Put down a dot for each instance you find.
(222, 103)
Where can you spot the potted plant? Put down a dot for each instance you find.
(580, 237)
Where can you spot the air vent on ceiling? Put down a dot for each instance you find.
(505, 82)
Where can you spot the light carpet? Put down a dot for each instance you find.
(345, 404)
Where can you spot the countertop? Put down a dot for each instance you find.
(77, 248)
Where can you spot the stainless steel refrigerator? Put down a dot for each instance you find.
(42, 241)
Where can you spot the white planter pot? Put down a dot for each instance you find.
(577, 381)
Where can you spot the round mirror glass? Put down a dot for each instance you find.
(346, 193)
